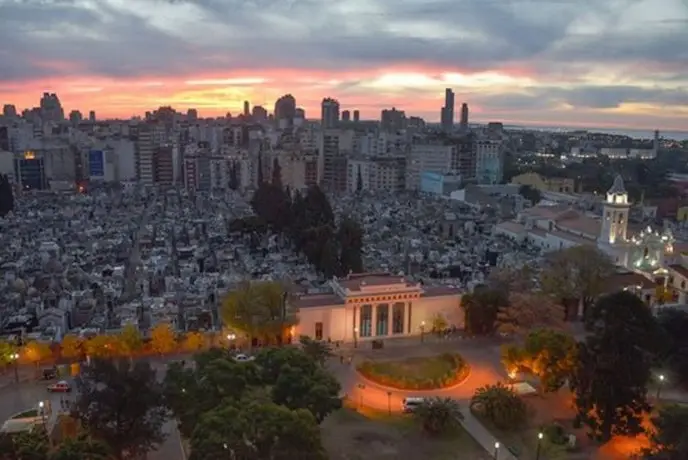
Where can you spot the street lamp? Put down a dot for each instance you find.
(539, 443)
(15, 358)
(496, 451)
(361, 387)
(389, 402)
(41, 408)
(355, 337)
(659, 385)
(422, 331)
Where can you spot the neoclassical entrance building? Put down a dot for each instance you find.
(369, 306)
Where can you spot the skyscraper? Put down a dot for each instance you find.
(357, 115)
(346, 115)
(329, 113)
(247, 109)
(447, 114)
(464, 116)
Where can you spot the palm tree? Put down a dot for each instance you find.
(500, 405)
(439, 415)
(259, 310)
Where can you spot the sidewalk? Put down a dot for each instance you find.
(476, 429)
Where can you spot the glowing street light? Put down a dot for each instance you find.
(659, 385)
(355, 337)
(231, 337)
(539, 444)
(496, 451)
(422, 331)
(15, 358)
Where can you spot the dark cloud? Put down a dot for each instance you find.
(325, 34)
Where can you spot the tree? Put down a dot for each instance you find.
(163, 339)
(350, 237)
(233, 177)
(530, 193)
(122, 405)
(527, 311)
(576, 276)
(258, 310)
(131, 340)
(27, 445)
(258, 431)
(548, 354)
(439, 415)
(71, 347)
(7, 349)
(674, 353)
(193, 341)
(318, 350)
(669, 438)
(102, 346)
(512, 280)
(613, 369)
(276, 173)
(318, 391)
(36, 352)
(82, 447)
(189, 393)
(481, 307)
(6, 196)
(439, 324)
(500, 405)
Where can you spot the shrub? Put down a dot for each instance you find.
(500, 405)
(417, 374)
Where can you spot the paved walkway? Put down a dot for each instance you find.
(481, 354)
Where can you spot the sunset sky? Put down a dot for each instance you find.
(593, 63)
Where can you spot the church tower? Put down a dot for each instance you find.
(615, 214)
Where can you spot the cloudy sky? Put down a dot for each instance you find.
(593, 63)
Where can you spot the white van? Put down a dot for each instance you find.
(411, 404)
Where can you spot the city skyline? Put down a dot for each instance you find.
(524, 62)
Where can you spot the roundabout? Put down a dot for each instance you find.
(432, 373)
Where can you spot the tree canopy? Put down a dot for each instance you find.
(122, 404)
(674, 351)
(669, 436)
(613, 369)
(274, 402)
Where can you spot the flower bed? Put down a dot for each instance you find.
(427, 373)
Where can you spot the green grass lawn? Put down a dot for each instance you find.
(523, 441)
(26, 414)
(375, 435)
(417, 373)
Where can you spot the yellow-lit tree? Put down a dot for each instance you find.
(103, 346)
(36, 352)
(258, 310)
(131, 340)
(71, 347)
(193, 341)
(163, 339)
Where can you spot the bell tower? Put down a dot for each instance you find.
(615, 214)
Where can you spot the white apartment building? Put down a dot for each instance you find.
(434, 158)
(376, 174)
(489, 162)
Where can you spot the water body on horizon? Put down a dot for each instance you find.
(634, 133)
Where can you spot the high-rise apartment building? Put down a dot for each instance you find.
(357, 116)
(329, 115)
(9, 110)
(163, 165)
(247, 108)
(92, 116)
(464, 117)
(51, 108)
(285, 110)
(392, 120)
(447, 115)
(259, 113)
(346, 115)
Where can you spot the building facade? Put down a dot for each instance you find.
(365, 307)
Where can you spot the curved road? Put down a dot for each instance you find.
(485, 369)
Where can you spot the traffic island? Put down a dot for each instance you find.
(419, 373)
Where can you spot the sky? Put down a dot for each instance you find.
(589, 63)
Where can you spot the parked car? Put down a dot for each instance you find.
(411, 404)
(60, 387)
(49, 373)
(242, 358)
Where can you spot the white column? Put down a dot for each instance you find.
(373, 321)
(355, 326)
(390, 319)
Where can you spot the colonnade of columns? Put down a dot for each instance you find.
(404, 319)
